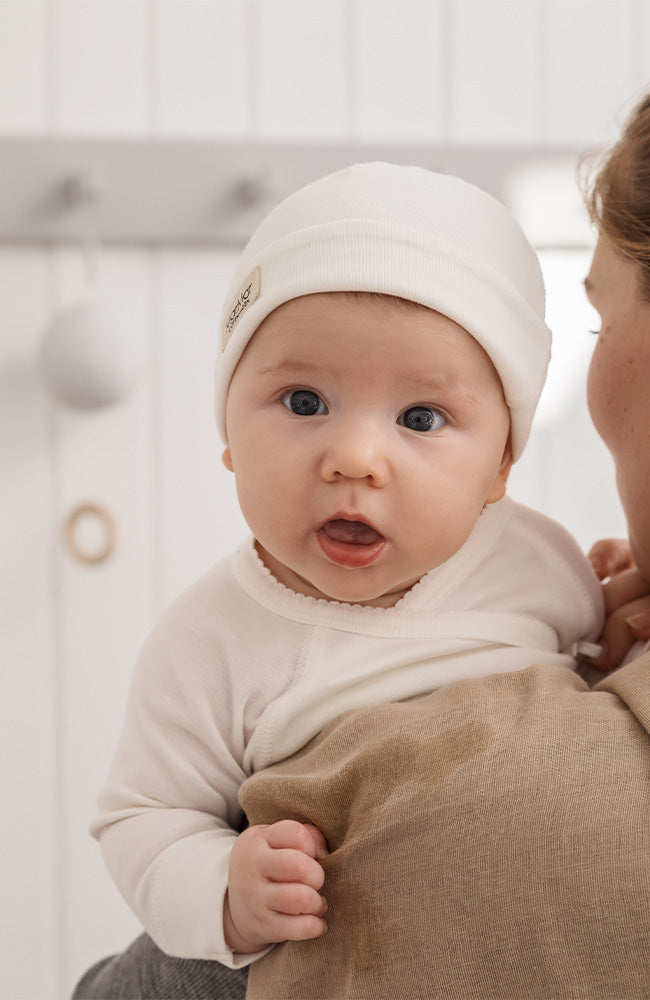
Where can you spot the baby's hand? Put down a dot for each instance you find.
(273, 880)
(610, 556)
(627, 601)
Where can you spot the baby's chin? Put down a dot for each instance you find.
(351, 588)
(363, 597)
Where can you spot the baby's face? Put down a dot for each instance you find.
(365, 437)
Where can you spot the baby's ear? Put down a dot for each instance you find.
(498, 488)
(227, 459)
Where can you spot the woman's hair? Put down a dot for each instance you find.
(618, 194)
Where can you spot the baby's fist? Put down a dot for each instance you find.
(274, 878)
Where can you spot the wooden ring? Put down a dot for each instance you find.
(71, 532)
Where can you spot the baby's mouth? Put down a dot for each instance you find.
(351, 532)
(351, 544)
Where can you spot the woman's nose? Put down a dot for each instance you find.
(356, 451)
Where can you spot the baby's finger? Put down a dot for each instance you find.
(318, 840)
(295, 900)
(638, 619)
(288, 833)
(623, 628)
(624, 588)
(282, 927)
(610, 556)
(291, 866)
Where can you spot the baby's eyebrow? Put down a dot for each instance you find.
(293, 367)
(446, 390)
(418, 382)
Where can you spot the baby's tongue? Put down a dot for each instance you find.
(352, 532)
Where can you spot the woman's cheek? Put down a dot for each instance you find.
(598, 394)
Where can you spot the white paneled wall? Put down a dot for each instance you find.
(399, 84)
(300, 73)
(28, 845)
(601, 63)
(100, 74)
(201, 69)
(497, 88)
(195, 498)
(474, 71)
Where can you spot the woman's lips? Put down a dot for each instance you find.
(353, 544)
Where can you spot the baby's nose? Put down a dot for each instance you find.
(357, 451)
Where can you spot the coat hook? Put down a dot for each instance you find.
(81, 190)
(249, 191)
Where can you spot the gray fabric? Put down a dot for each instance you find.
(144, 972)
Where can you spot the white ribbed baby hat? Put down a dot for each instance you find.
(400, 230)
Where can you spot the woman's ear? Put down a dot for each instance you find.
(226, 458)
(498, 487)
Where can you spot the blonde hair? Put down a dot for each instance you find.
(617, 194)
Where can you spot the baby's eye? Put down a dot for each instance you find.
(421, 418)
(304, 403)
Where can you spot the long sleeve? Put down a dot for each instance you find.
(169, 810)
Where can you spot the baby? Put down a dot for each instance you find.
(383, 350)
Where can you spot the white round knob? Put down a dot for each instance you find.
(87, 359)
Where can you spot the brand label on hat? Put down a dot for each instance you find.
(249, 293)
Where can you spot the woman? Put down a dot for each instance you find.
(537, 801)
(618, 286)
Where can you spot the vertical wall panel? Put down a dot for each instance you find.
(301, 71)
(641, 48)
(201, 67)
(102, 61)
(104, 610)
(399, 70)
(496, 78)
(566, 470)
(22, 66)
(28, 879)
(588, 71)
(199, 517)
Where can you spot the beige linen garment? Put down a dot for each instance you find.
(489, 840)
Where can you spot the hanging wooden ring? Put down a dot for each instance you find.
(75, 546)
